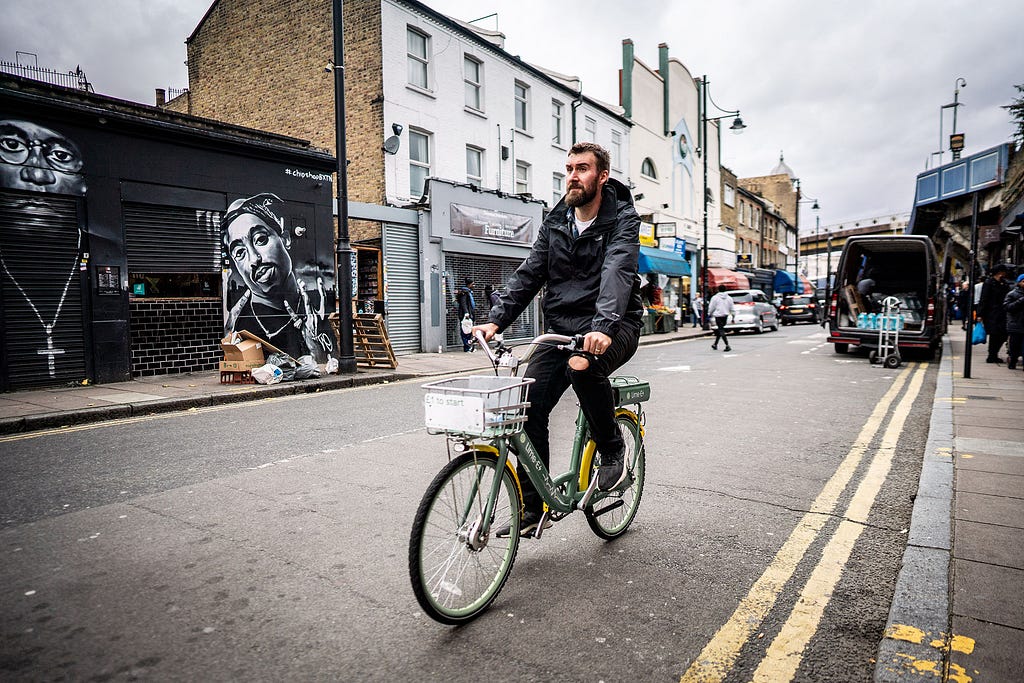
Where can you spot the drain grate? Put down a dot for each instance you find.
(985, 398)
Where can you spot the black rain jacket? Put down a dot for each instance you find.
(591, 285)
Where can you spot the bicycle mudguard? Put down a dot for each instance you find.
(630, 390)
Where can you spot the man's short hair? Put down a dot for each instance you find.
(1000, 268)
(604, 160)
(469, 281)
(721, 288)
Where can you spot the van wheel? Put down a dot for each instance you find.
(842, 348)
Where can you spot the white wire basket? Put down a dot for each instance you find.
(477, 405)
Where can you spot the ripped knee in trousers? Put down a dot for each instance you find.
(579, 363)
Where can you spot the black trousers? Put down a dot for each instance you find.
(550, 368)
(996, 339)
(720, 322)
(1015, 345)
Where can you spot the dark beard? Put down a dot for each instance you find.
(583, 198)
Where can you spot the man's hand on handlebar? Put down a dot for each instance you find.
(596, 343)
(487, 329)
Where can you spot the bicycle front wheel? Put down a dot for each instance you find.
(456, 570)
(610, 516)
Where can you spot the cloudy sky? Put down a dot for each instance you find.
(849, 92)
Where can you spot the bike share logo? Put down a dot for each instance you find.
(526, 448)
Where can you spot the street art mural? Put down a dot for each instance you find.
(41, 175)
(276, 289)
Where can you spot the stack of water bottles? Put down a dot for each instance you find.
(878, 321)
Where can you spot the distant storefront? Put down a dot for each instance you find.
(131, 238)
(479, 235)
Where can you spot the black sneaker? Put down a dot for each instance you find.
(714, 346)
(728, 349)
(527, 526)
(611, 473)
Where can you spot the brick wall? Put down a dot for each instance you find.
(175, 335)
(260, 63)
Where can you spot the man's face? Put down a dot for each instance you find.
(259, 255)
(39, 159)
(582, 180)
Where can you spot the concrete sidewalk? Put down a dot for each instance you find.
(30, 410)
(958, 611)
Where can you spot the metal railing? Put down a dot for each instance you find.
(72, 79)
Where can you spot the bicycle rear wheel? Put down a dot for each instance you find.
(456, 571)
(611, 516)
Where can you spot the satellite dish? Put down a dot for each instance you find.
(391, 144)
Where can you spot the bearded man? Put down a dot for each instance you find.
(585, 259)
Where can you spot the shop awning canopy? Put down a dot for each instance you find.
(785, 283)
(723, 276)
(660, 261)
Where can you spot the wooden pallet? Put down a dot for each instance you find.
(370, 339)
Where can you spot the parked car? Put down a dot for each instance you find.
(753, 311)
(799, 309)
(873, 267)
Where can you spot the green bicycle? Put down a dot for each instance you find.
(456, 564)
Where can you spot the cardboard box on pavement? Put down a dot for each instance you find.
(243, 346)
(239, 365)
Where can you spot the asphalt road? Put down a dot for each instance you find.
(268, 540)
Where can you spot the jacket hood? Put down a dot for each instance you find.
(622, 192)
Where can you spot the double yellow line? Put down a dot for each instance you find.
(783, 656)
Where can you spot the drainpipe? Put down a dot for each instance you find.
(626, 78)
(663, 70)
(575, 105)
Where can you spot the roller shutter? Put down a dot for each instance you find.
(487, 271)
(170, 239)
(43, 339)
(402, 287)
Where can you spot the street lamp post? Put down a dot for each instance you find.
(346, 348)
(737, 127)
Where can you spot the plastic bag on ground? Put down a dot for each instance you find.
(267, 374)
(308, 369)
(332, 366)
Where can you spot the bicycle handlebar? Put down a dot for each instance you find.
(562, 341)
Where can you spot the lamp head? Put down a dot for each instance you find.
(737, 125)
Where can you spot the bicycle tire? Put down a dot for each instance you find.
(454, 583)
(610, 517)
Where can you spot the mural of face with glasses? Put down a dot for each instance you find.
(39, 159)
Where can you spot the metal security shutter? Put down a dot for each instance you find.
(170, 239)
(402, 278)
(40, 287)
(485, 271)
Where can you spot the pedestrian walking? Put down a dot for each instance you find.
(1013, 304)
(465, 310)
(720, 309)
(697, 311)
(991, 310)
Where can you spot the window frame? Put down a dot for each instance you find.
(478, 85)
(616, 149)
(589, 128)
(557, 123)
(648, 163)
(525, 182)
(417, 163)
(423, 61)
(557, 187)
(523, 103)
(477, 181)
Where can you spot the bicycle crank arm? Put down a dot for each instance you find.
(585, 501)
(540, 525)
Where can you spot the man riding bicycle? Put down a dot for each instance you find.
(585, 258)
